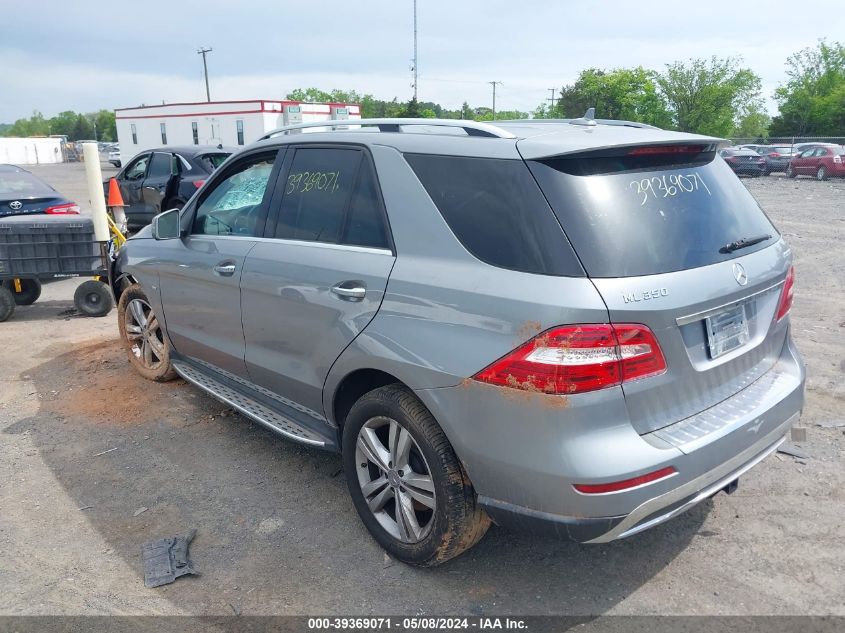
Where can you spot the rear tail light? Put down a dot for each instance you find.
(786, 294)
(71, 208)
(667, 149)
(579, 358)
(626, 484)
(199, 183)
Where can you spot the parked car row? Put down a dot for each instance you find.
(820, 160)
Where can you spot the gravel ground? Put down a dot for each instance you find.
(94, 461)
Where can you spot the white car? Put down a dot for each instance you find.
(114, 156)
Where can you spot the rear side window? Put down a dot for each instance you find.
(644, 219)
(496, 210)
(331, 195)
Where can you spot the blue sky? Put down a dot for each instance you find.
(86, 55)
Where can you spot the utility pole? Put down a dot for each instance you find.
(552, 98)
(493, 83)
(203, 51)
(414, 63)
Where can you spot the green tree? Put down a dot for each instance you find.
(309, 95)
(709, 96)
(623, 93)
(754, 124)
(36, 125)
(106, 125)
(812, 101)
(63, 123)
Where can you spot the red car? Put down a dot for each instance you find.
(823, 162)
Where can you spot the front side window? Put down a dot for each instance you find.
(235, 206)
(138, 169)
(163, 127)
(195, 132)
(240, 127)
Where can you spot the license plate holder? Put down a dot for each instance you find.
(726, 331)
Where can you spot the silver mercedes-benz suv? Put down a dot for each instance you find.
(578, 326)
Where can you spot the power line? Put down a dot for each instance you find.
(203, 51)
(493, 83)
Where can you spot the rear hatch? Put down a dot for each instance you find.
(673, 240)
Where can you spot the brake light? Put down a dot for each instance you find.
(774, 155)
(786, 294)
(199, 183)
(626, 484)
(578, 358)
(667, 149)
(71, 208)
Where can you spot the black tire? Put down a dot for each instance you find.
(93, 298)
(821, 174)
(160, 371)
(30, 291)
(7, 303)
(457, 522)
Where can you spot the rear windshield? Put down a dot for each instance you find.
(498, 213)
(627, 220)
(22, 184)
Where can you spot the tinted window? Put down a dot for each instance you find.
(317, 191)
(161, 165)
(648, 221)
(365, 224)
(137, 169)
(210, 162)
(496, 210)
(235, 205)
(22, 184)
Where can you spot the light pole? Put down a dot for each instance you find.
(415, 50)
(203, 51)
(493, 83)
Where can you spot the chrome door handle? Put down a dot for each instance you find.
(227, 270)
(349, 291)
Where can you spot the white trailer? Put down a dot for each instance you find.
(30, 151)
(228, 123)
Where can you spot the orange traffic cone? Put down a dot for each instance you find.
(115, 199)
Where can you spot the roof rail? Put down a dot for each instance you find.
(472, 128)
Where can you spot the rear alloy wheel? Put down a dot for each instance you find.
(821, 174)
(93, 298)
(29, 293)
(406, 482)
(143, 338)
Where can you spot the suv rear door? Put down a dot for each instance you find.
(319, 276)
(652, 227)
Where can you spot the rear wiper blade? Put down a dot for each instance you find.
(745, 242)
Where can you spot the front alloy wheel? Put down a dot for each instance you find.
(395, 479)
(143, 337)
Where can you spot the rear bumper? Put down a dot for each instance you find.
(523, 452)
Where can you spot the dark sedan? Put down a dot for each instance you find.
(22, 193)
(165, 178)
(777, 156)
(744, 162)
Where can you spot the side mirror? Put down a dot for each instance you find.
(166, 225)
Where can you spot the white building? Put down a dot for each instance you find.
(231, 123)
(30, 151)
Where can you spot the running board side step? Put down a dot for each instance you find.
(249, 407)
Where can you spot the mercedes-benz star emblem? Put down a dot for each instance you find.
(739, 274)
(17, 204)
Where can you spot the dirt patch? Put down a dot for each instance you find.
(102, 388)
